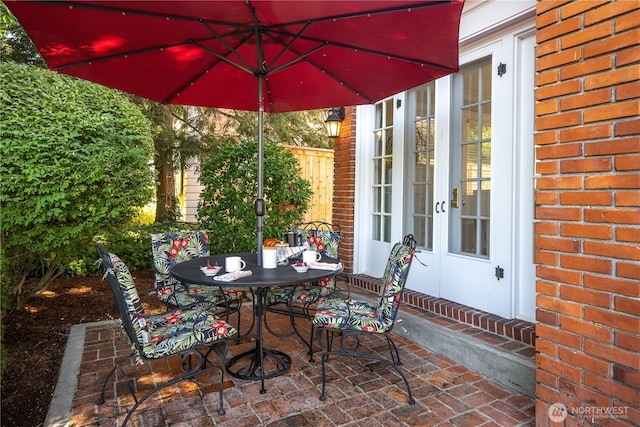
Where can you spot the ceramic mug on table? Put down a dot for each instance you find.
(310, 257)
(234, 263)
(269, 257)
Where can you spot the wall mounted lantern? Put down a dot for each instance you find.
(333, 121)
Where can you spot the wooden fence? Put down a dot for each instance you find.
(316, 166)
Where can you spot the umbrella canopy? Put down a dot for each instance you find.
(272, 56)
(312, 54)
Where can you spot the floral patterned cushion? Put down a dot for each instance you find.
(172, 248)
(327, 243)
(159, 335)
(303, 294)
(336, 313)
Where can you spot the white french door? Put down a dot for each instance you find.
(444, 167)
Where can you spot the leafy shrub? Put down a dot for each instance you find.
(230, 177)
(74, 157)
(130, 242)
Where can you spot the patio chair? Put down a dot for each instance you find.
(297, 301)
(178, 246)
(352, 320)
(193, 335)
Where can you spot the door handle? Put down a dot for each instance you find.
(454, 198)
(443, 202)
(437, 204)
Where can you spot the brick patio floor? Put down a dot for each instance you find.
(360, 392)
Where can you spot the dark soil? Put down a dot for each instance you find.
(35, 338)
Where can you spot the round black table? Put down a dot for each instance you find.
(260, 280)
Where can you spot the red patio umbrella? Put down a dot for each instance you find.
(260, 55)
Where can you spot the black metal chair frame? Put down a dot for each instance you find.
(353, 337)
(194, 361)
(296, 310)
(227, 307)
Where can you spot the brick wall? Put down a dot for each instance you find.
(588, 222)
(344, 185)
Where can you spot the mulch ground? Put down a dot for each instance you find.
(35, 339)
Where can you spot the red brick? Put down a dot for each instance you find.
(628, 91)
(627, 163)
(546, 6)
(612, 353)
(624, 234)
(628, 21)
(588, 198)
(625, 375)
(611, 388)
(546, 107)
(615, 216)
(614, 250)
(627, 341)
(629, 127)
(547, 77)
(578, 7)
(628, 198)
(614, 285)
(629, 271)
(563, 57)
(627, 39)
(612, 77)
(561, 276)
(617, 181)
(585, 132)
(617, 110)
(583, 361)
(557, 121)
(613, 319)
(547, 378)
(592, 264)
(546, 228)
(558, 90)
(546, 347)
(558, 306)
(585, 296)
(627, 56)
(596, 32)
(589, 231)
(559, 183)
(584, 394)
(587, 329)
(547, 317)
(627, 305)
(546, 138)
(551, 32)
(547, 48)
(586, 100)
(547, 18)
(586, 67)
(554, 366)
(608, 11)
(612, 147)
(547, 167)
(562, 214)
(545, 258)
(546, 197)
(557, 244)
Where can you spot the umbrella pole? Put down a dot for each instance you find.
(260, 205)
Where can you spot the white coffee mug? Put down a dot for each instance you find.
(269, 257)
(311, 256)
(234, 263)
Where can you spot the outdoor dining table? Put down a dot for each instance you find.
(260, 280)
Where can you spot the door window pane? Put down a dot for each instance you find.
(421, 102)
(382, 170)
(470, 225)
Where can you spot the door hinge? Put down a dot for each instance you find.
(502, 69)
(499, 273)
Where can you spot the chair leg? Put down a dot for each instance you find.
(394, 362)
(190, 370)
